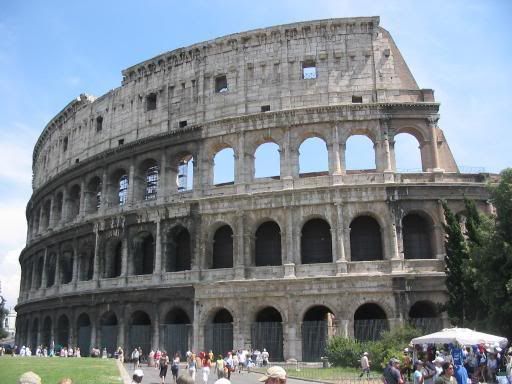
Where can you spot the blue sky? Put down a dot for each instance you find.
(51, 51)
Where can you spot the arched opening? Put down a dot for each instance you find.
(74, 201)
(123, 189)
(416, 234)
(46, 332)
(28, 273)
(93, 195)
(407, 153)
(86, 268)
(177, 330)
(267, 333)
(267, 161)
(178, 257)
(224, 167)
(370, 321)
(50, 270)
(268, 244)
(62, 338)
(113, 258)
(219, 332)
(318, 325)
(83, 327)
(223, 248)
(33, 334)
(57, 207)
(185, 174)
(316, 243)
(424, 315)
(140, 332)
(66, 266)
(39, 272)
(313, 157)
(365, 239)
(150, 175)
(143, 254)
(108, 332)
(359, 154)
(46, 214)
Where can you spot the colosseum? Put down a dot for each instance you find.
(135, 240)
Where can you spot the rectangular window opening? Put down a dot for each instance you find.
(99, 124)
(357, 99)
(265, 108)
(183, 124)
(221, 84)
(151, 102)
(309, 70)
(65, 144)
(120, 142)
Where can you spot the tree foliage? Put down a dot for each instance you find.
(479, 263)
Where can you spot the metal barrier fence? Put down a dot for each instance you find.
(268, 335)
(84, 340)
(140, 336)
(176, 338)
(370, 330)
(219, 337)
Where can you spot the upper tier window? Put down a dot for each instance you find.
(99, 124)
(151, 102)
(309, 70)
(221, 84)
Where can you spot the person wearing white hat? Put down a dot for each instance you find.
(365, 365)
(137, 376)
(222, 381)
(274, 375)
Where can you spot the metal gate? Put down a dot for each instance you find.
(109, 338)
(84, 340)
(176, 337)
(370, 329)
(427, 324)
(314, 339)
(268, 335)
(219, 337)
(140, 336)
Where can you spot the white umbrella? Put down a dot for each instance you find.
(462, 336)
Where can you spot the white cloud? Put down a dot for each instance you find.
(10, 273)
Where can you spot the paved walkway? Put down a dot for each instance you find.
(151, 377)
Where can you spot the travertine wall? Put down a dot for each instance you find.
(362, 87)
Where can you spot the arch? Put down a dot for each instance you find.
(86, 260)
(316, 243)
(223, 248)
(123, 183)
(74, 201)
(93, 194)
(185, 173)
(83, 331)
(359, 153)
(33, 333)
(118, 187)
(424, 315)
(318, 325)
(140, 332)
(39, 273)
(313, 157)
(112, 258)
(108, 331)
(370, 321)
(143, 253)
(50, 270)
(66, 266)
(149, 173)
(268, 244)
(62, 338)
(219, 332)
(267, 161)
(178, 250)
(177, 331)
(46, 332)
(365, 239)
(224, 167)
(57, 207)
(417, 237)
(267, 332)
(46, 214)
(407, 152)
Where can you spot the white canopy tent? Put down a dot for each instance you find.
(460, 336)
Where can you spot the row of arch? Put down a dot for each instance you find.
(175, 333)
(366, 244)
(145, 181)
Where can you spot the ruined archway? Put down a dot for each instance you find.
(370, 321)
(267, 333)
(177, 332)
(83, 330)
(219, 332)
(318, 324)
(268, 244)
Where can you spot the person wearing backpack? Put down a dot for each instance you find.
(164, 363)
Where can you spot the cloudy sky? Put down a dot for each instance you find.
(51, 51)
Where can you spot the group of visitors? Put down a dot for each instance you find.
(43, 351)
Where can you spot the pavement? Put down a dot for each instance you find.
(151, 376)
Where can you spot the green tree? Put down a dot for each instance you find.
(3, 314)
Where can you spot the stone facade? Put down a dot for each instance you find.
(125, 247)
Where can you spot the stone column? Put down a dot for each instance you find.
(162, 177)
(432, 125)
(124, 263)
(76, 264)
(387, 165)
(96, 269)
(41, 228)
(289, 259)
(197, 341)
(44, 277)
(65, 205)
(334, 153)
(104, 203)
(51, 219)
(156, 327)
(81, 211)
(157, 271)
(57, 268)
(238, 246)
(131, 185)
(94, 335)
(121, 335)
(34, 274)
(341, 261)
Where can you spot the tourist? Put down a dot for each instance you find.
(492, 366)
(104, 353)
(447, 376)
(418, 372)
(29, 378)
(151, 358)
(219, 367)
(175, 366)
(274, 375)
(265, 356)
(365, 365)
(391, 374)
(191, 366)
(229, 367)
(156, 357)
(185, 379)
(163, 363)
(406, 365)
(120, 355)
(135, 358)
(205, 364)
(78, 353)
(137, 376)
